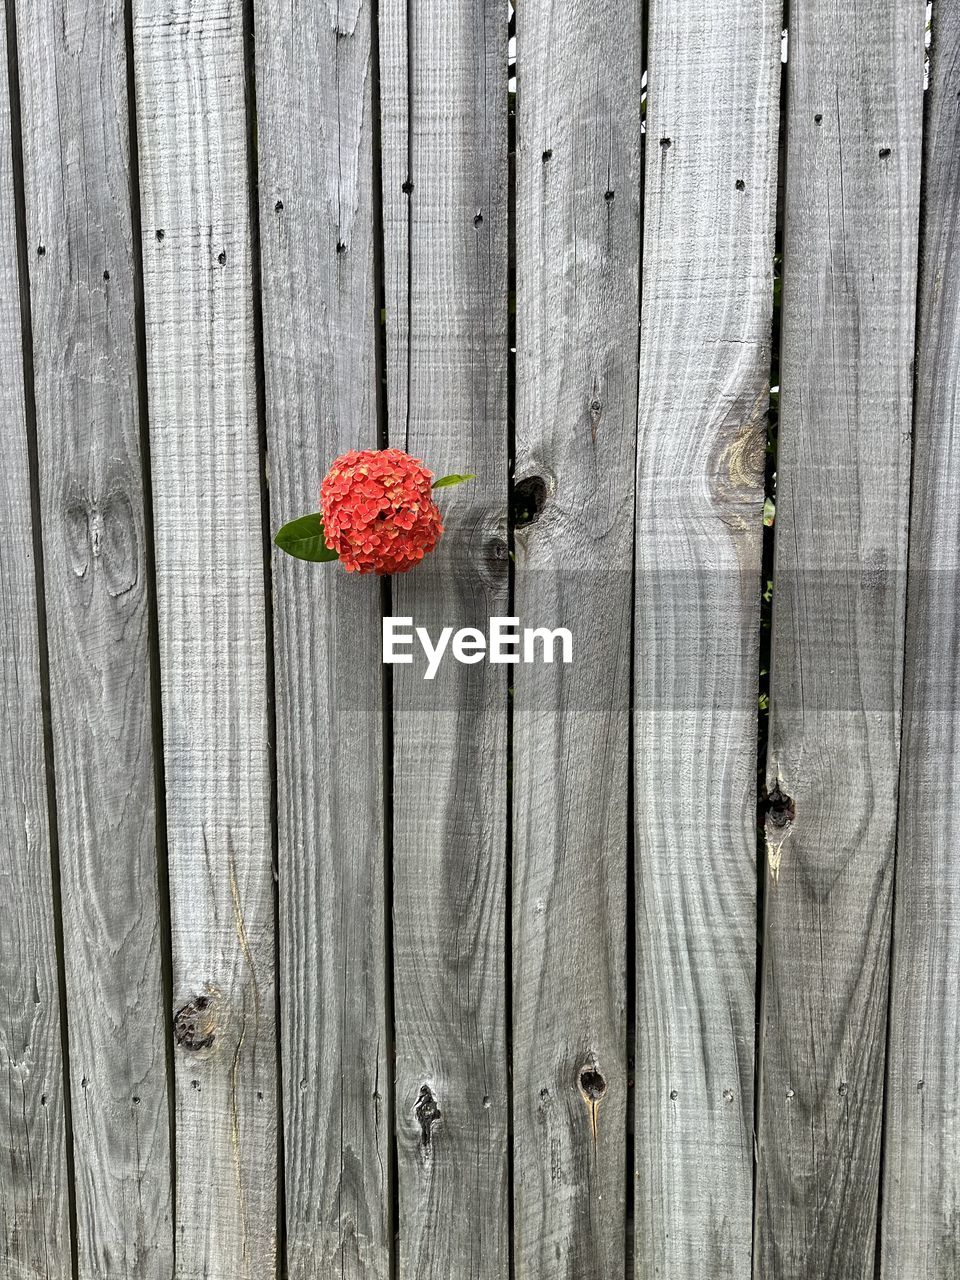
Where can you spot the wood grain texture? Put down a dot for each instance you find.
(578, 236)
(34, 1226)
(189, 61)
(855, 77)
(709, 213)
(921, 1201)
(320, 312)
(446, 301)
(79, 231)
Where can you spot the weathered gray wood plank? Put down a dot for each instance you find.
(446, 364)
(710, 201)
(34, 1227)
(921, 1200)
(79, 228)
(189, 61)
(578, 238)
(855, 77)
(319, 306)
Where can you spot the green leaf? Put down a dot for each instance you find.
(304, 539)
(446, 481)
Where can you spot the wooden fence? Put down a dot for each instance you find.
(311, 968)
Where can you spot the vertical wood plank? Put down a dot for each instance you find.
(855, 77)
(710, 203)
(921, 1199)
(712, 118)
(76, 159)
(578, 238)
(446, 299)
(189, 61)
(319, 307)
(34, 1226)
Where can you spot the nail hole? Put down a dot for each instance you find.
(529, 497)
(407, 187)
(818, 118)
(547, 155)
(341, 247)
(478, 219)
(41, 250)
(728, 1095)
(740, 184)
(160, 233)
(674, 1095)
(608, 195)
(666, 143)
(790, 1094)
(278, 207)
(222, 257)
(843, 1089)
(106, 275)
(135, 1100)
(883, 152)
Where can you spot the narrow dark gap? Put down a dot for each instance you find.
(408, 188)
(891, 962)
(767, 574)
(393, 1176)
(629, 1247)
(386, 680)
(253, 189)
(30, 416)
(512, 86)
(156, 707)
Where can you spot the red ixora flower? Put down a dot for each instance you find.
(378, 511)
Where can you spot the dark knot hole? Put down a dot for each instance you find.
(529, 496)
(592, 1084)
(781, 808)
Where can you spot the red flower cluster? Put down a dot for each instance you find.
(378, 512)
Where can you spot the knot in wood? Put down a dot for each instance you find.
(592, 1084)
(529, 496)
(780, 807)
(194, 1025)
(427, 1113)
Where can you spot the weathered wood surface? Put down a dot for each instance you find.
(445, 247)
(76, 158)
(855, 77)
(319, 297)
(412, 853)
(709, 212)
(921, 1199)
(578, 232)
(34, 1222)
(206, 468)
